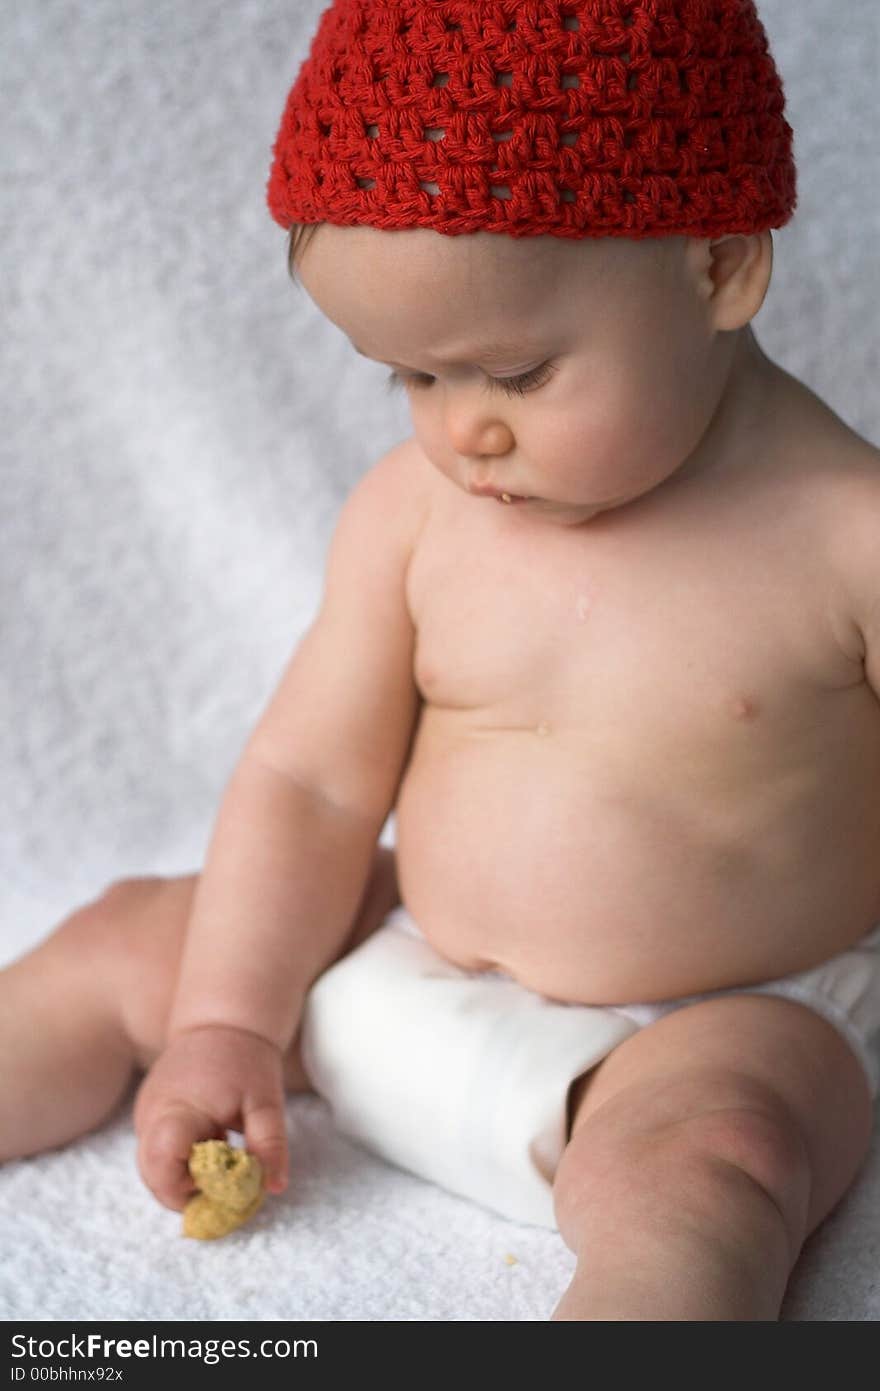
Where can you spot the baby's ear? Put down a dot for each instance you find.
(733, 276)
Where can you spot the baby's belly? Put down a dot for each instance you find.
(591, 880)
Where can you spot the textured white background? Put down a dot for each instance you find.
(179, 427)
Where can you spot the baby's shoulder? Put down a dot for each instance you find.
(404, 467)
(843, 477)
(844, 472)
(835, 472)
(391, 500)
(819, 481)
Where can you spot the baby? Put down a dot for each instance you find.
(604, 633)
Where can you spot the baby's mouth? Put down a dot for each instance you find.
(488, 490)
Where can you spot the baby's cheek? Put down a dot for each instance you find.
(630, 449)
(588, 450)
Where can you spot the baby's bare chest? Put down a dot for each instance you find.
(670, 706)
(683, 647)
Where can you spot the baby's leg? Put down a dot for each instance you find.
(703, 1152)
(86, 1010)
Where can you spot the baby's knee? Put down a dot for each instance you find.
(123, 894)
(126, 914)
(128, 943)
(749, 1154)
(114, 904)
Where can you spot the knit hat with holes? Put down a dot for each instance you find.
(574, 118)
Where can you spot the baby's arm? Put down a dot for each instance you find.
(292, 847)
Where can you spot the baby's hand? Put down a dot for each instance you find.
(209, 1080)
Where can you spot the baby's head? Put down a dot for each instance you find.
(550, 217)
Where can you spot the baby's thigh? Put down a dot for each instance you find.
(755, 1079)
(135, 933)
(130, 943)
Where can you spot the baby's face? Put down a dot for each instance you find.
(572, 374)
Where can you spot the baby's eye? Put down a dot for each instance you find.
(511, 386)
(396, 381)
(518, 386)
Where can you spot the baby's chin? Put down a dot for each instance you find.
(564, 513)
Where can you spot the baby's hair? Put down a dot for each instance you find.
(299, 237)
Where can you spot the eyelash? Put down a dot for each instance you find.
(511, 386)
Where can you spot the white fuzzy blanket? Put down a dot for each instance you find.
(179, 427)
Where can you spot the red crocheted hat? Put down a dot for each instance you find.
(574, 118)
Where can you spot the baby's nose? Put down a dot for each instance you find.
(476, 440)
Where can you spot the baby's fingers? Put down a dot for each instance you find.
(266, 1137)
(164, 1151)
